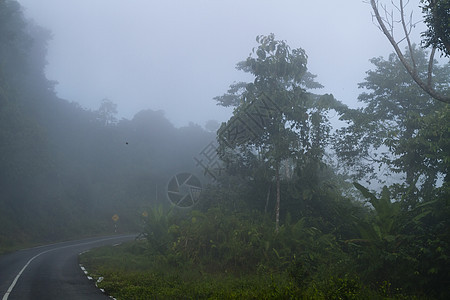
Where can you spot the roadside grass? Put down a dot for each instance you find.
(130, 271)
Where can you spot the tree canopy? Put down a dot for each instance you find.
(381, 135)
(437, 19)
(275, 117)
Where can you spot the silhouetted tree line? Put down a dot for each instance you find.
(65, 170)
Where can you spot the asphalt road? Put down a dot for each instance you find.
(51, 272)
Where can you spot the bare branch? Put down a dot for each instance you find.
(430, 68)
(408, 40)
(399, 42)
(393, 4)
(427, 87)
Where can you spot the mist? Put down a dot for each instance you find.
(177, 55)
(255, 149)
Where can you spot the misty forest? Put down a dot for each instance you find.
(297, 195)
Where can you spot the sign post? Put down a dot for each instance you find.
(115, 218)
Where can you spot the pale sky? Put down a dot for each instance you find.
(176, 55)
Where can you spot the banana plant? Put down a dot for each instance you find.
(156, 228)
(382, 226)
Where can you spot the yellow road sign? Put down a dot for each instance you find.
(115, 218)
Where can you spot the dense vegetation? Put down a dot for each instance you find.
(289, 214)
(316, 236)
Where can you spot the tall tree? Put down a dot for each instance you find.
(275, 118)
(385, 133)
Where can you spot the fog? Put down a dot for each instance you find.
(178, 55)
(112, 126)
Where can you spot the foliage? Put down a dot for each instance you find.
(155, 231)
(385, 133)
(275, 119)
(437, 19)
(397, 246)
(219, 253)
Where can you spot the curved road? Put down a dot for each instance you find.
(51, 272)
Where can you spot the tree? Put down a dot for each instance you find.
(107, 112)
(437, 19)
(436, 37)
(275, 118)
(389, 131)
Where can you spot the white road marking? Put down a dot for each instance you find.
(11, 287)
(5, 297)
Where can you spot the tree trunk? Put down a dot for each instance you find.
(267, 198)
(277, 208)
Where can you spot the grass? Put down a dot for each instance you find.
(130, 273)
